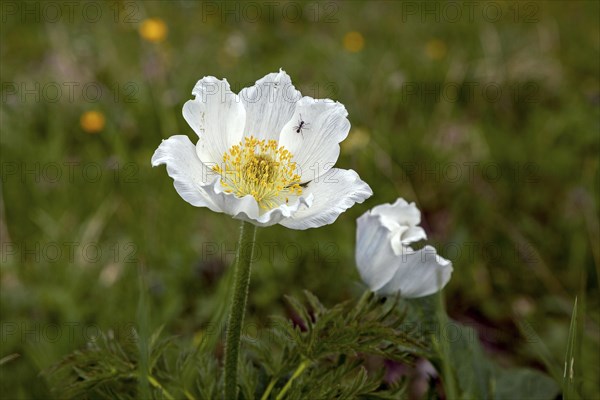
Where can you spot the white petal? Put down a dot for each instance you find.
(413, 234)
(269, 105)
(398, 214)
(418, 274)
(316, 147)
(334, 192)
(217, 115)
(374, 256)
(246, 208)
(405, 236)
(188, 173)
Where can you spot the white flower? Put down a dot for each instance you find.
(263, 156)
(386, 262)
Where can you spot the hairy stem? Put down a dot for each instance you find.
(244, 256)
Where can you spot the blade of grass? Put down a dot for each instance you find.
(9, 358)
(569, 391)
(539, 347)
(444, 351)
(143, 332)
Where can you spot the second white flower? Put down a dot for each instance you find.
(385, 260)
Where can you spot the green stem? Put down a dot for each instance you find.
(267, 392)
(296, 374)
(157, 385)
(244, 256)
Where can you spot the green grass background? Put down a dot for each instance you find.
(520, 223)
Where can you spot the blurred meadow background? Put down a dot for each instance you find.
(486, 114)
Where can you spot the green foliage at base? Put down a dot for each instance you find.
(330, 344)
(323, 354)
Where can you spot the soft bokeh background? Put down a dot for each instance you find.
(487, 116)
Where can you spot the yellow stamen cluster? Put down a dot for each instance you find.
(262, 169)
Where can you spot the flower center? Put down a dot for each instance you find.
(261, 169)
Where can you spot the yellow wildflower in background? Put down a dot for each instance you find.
(435, 49)
(92, 121)
(153, 30)
(354, 41)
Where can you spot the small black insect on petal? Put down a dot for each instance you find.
(301, 126)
